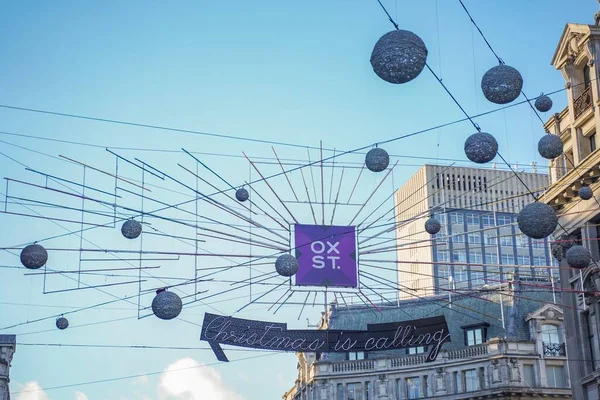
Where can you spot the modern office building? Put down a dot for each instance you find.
(479, 242)
(8, 344)
(504, 345)
(577, 57)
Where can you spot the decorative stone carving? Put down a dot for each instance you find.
(496, 373)
(513, 370)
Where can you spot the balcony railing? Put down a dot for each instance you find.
(353, 366)
(583, 102)
(468, 352)
(554, 349)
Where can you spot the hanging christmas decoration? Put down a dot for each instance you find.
(586, 193)
(432, 226)
(377, 159)
(34, 256)
(166, 305)
(62, 323)
(501, 84)
(131, 229)
(537, 220)
(481, 147)
(543, 103)
(578, 257)
(399, 56)
(286, 265)
(550, 146)
(242, 194)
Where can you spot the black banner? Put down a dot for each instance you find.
(217, 329)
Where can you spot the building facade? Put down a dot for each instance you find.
(479, 242)
(504, 345)
(577, 57)
(8, 344)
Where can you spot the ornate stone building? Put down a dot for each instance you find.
(506, 343)
(577, 57)
(7, 349)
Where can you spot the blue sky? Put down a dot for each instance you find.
(292, 72)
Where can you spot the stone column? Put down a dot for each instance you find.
(6, 354)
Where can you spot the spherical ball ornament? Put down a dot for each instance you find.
(242, 194)
(501, 84)
(377, 159)
(399, 56)
(432, 226)
(550, 146)
(34, 256)
(481, 147)
(586, 193)
(537, 220)
(578, 257)
(62, 323)
(543, 103)
(286, 265)
(131, 229)
(166, 305)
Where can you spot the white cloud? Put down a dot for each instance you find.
(80, 396)
(32, 391)
(187, 379)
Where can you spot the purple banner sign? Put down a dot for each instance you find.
(326, 255)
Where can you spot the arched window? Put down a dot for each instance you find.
(550, 334)
(586, 75)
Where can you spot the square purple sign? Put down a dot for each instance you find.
(326, 255)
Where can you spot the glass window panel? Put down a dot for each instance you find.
(413, 388)
(474, 238)
(367, 390)
(507, 259)
(473, 219)
(487, 220)
(550, 334)
(555, 376)
(354, 391)
(460, 238)
(474, 336)
(506, 241)
(459, 256)
(491, 258)
(475, 257)
(471, 380)
(523, 260)
(529, 375)
(340, 391)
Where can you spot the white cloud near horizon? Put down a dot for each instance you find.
(32, 391)
(80, 396)
(187, 379)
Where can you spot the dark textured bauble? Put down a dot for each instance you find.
(537, 220)
(578, 257)
(586, 193)
(34, 256)
(432, 226)
(166, 305)
(543, 103)
(377, 160)
(502, 84)
(550, 146)
(399, 56)
(286, 265)
(481, 147)
(62, 323)
(131, 229)
(242, 194)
